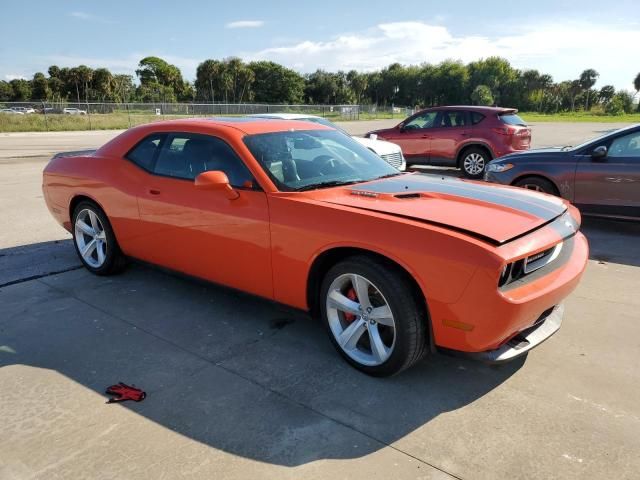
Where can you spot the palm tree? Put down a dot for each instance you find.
(636, 83)
(587, 80)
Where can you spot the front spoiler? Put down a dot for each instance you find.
(523, 341)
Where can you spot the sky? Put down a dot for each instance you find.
(558, 37)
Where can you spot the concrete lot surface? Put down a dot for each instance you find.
(242, 388)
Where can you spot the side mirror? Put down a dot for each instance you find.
(218, 181)
(599, 152)
(400, 126)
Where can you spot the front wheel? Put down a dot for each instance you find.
(474, 160)
(373, 317)
(537, 184)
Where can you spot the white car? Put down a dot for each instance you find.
(11, 111)
(74, 111)
(23, 110)
(390, 152)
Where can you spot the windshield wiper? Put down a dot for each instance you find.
(566, 147)
(335, 183)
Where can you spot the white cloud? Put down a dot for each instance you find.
(245, 24)
(89, 17)
(563, 50)
(12, 76)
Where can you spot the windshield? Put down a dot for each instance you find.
(302, 160)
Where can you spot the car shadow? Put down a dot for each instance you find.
(35, 260)
(231, 371)
(613, 241)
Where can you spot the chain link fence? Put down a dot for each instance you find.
(47, 116)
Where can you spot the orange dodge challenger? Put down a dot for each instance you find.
(395, 264)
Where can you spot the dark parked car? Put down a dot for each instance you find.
(465, 137)
(601, 176)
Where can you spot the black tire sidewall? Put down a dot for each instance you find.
(113, 254)
(546, 185)
(404, 306)
(479, 151)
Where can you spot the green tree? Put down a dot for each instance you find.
(160, 78)
(102, 84)
(586, 81)
(481, 95)
(497, 74)
(606, 93)
(276, 84)
(123, 88)
(6, 92)
(636, 83)
(40, 89)
(321, 87)
(358, 83)
(20, 90)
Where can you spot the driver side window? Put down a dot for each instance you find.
(423, 120)
(625, 146)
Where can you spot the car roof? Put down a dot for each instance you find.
(473, 108)
(284, 116)
(247, 125)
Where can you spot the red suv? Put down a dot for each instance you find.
(465, 137)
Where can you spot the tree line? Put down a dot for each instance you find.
(483, 82)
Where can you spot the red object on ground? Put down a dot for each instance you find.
(124, 392)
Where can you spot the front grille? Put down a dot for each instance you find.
(393, 159)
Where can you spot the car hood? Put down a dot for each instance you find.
(537, 153)
(492, 213)
(379, 146)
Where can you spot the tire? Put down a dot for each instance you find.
(538, 184)
(91, 227)
(473, 162)
(399, 329)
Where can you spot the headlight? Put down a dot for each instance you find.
(499, 167)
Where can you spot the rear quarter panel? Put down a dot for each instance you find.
(109, 182)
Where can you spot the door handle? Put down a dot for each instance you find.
(425, 136)
(153, 191)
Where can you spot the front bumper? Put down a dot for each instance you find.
(524, 341)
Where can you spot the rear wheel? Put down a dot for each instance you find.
(473, 162)
(95, 241)
(537, 184)
(373, 316)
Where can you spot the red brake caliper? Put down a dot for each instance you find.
(351, 295)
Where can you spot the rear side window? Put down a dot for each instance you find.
(186, 155)
(476, 118)
(145, 152)
(512, 119)
(453, 119)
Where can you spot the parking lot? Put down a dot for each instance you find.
(239, 387)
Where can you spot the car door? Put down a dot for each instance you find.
(450, 130)
(202, 232)
(610, 185)
(413, 136)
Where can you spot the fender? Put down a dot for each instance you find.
(473, 142)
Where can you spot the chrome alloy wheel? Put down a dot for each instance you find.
(360, 319)
(90, 238)
(474, 163)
